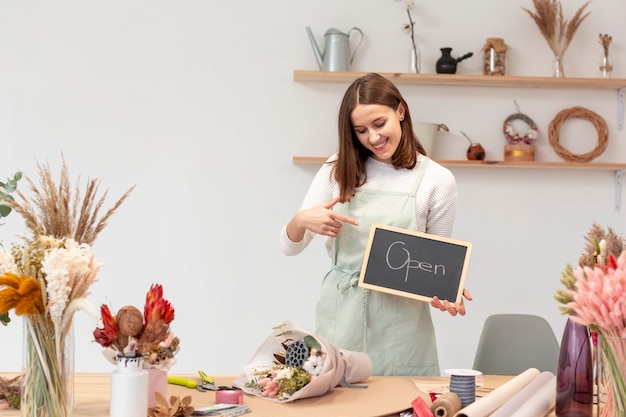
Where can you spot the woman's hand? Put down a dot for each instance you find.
(452, 308)
(321, 220)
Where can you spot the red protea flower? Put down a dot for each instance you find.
(108, 334)
(157, 307)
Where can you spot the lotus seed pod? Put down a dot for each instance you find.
(297, 353)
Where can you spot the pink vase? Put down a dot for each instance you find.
(157, 382)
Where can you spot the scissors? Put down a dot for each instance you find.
(205, 384)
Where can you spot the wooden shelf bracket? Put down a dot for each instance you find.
(620, 108)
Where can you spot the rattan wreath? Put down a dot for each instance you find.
(580, 113)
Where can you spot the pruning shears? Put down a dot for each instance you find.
(206, 383)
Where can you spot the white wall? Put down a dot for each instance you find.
(194, 101)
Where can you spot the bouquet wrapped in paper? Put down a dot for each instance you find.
(293, 364)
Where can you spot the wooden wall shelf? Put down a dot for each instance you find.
(467, 80)
(618, 168)
(318, 160)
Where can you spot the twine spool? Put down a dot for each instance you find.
(447, 405)
(581, 113)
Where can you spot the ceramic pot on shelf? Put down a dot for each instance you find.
(446, 64)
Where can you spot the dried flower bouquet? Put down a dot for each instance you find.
(558, 31)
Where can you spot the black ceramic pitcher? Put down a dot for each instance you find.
(446, 64)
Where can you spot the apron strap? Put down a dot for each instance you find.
(420, 174)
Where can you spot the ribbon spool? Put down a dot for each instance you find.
(463, 384)
(229, 396)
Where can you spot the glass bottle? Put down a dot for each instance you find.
(414, 59)
(574, 378)
(606, 66)
(494, 56)
(558, 71)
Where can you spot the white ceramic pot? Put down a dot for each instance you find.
(427, 133)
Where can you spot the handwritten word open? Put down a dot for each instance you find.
(413, 264)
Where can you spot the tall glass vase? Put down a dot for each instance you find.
(47, 368)
(414, 59)
(557, 67)
(606, 66)
(612, 390)
(574, 378)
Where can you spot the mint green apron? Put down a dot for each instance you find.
(396, 332)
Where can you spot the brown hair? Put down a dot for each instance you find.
(349, 169)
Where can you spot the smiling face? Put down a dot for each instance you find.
(377, 127)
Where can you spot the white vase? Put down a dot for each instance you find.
(129, 388)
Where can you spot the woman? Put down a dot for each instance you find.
(381, 174)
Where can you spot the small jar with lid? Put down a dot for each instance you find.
(494, 56)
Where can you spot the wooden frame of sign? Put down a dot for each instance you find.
(414, 264)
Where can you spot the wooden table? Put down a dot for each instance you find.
(385, 396)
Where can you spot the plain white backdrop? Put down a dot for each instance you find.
(195, 103)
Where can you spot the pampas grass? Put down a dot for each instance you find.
(61, 210)
(558, 31)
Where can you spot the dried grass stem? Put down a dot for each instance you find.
(557, 30)
(61, 210)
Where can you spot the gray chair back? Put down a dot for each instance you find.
(511, 343)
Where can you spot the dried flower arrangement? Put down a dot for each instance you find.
(606, 66)
(557, 30)
(292, 364)
(409, 28)
(298, 363)
(594, 295)
(132, 333)
(46, 279)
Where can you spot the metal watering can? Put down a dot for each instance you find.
(336, 55)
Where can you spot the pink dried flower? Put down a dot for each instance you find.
(599, 298)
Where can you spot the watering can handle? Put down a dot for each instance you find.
(358, 44)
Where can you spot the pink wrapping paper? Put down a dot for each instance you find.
(157, 382)
(340, 365)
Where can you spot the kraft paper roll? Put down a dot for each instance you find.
(229, 396)
(530, 394)
(543, 401)
(446, 405)
(488, 404)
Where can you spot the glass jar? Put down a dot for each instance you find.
(606, 66)
(494, 57)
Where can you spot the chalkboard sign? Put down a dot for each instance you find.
(415, 265)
